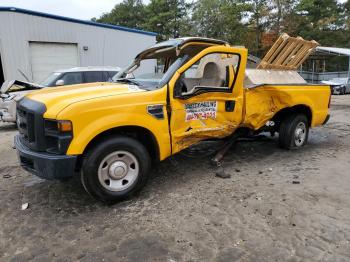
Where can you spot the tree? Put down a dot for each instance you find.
(169, 18)
(129, 13)
(321, 20)
(240, 22)
(346, 7)
(219, 19)
(284, 17)
(259, 20)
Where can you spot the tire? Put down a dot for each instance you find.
(115, 169)
(294, 131)
(342, 92)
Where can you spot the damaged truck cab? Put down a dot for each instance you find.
(173, 95)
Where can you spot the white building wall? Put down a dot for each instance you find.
(106, 47)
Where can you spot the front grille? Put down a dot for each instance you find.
(30, 123)
(25, 123)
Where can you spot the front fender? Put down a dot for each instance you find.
(83, 135)
(91, 118)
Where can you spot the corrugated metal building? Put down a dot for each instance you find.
(34, 44)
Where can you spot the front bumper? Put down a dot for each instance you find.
(45, 165)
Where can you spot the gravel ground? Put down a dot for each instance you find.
(277, 206)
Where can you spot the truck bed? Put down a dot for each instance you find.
(263, 101)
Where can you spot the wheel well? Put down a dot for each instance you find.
(141, 134)
(302, 109)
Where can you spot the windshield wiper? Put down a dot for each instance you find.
(127, 80)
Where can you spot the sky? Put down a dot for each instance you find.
(80, 9)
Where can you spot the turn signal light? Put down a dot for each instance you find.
(65, 126)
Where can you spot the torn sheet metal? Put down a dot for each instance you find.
(16, 85)
(263, 103)
(193, 136)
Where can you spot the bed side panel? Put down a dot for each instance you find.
(263, 102)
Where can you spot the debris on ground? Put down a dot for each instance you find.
(222, 174)
(25, 206)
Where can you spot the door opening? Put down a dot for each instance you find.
(2, 78)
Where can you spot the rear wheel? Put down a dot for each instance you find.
(294, 131)
(115, 169)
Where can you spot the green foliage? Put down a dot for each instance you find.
(324, 21)
(168, 18)
(240, 22)
(130, 13)
(220, 19)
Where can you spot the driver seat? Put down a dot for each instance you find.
(211, 76)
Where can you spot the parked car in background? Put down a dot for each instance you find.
(339, 86)
(12, 91)
(78, 75)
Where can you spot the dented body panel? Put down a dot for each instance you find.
(220, 123)
(262, 103)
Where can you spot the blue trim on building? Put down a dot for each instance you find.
(73, 20)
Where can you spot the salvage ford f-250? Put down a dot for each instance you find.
(172, 96)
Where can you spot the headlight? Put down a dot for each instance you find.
(58, 135)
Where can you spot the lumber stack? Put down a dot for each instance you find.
(287, 53)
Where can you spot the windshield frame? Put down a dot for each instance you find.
(179, 61)
(174, 50)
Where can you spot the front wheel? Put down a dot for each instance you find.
(115, 169)
(294, 131)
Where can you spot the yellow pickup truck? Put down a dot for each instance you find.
(173, 95)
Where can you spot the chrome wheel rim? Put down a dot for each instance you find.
(118, 171)
(300, 134)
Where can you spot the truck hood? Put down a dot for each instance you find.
(58, 98)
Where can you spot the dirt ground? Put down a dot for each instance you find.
(277, 206)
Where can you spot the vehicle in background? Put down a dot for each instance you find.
(339, 86)
(14, 90)
(79, 75)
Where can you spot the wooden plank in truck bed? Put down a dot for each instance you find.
(287, 53)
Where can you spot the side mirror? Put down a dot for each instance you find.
(59, 82)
